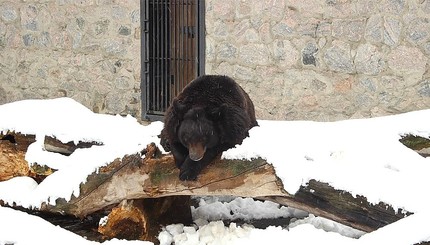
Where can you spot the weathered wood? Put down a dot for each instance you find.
(157, 176)
(144, 218)
(13, 147)
(12, 155)
(54, 145)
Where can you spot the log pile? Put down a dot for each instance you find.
(144, 193)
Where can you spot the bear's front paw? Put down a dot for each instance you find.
(187, 174)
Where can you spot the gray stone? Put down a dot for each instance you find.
(282, 29)
(368, 84)
(123, 30)
(405, 60)
(392, 30)
(426, 6)
(122, 82)
(324, 28)
(3, 96)
(317, 85)
(116, 102)
(8, 12)
(31, 25)
(77, 38)
(226, 51)
(309, 54)
(285, 54)
(221, 30)
(364, 100)
(338, 57)
(210, 52)
(80, 22)
(424, 88)
(28, 39)
(427, 48)
(418, 30)
(393, 6)
(135, 16)
(368, 60)
(244, 73)
(351, 30)
(101, 27)
(29, 17)
(2, 28)
(374, 29)
(254, 54)
(44, 39)
(308, 28)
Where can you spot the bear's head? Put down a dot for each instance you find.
(197, 132)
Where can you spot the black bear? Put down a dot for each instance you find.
(211, 114)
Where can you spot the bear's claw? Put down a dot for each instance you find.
(187, 174)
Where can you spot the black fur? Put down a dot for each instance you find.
(213, 113)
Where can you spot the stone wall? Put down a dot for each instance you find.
(88, 50)
(323, 59)
(299, 59)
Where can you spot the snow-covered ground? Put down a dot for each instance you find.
(363, 157)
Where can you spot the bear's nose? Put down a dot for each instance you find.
(196, 151)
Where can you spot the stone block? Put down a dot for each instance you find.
(265, 34)
(223, 9)
(374, 31)
(395, 7)
(244, 73)
(285, 54)
(254, 54)
(392, 30)
(243, 9)
(424, 88)
(3, 96)
(338, 57)
(226, 51)
(29, 17)
(368, 84)
(405, 60)
(368, 60)
(418, 31)
(351, 30)
(282, 30)
(8, 11)
(309, 54)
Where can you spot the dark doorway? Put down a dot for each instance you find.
(172, 51)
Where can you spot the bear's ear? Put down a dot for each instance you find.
(217, 112)
(178, 107)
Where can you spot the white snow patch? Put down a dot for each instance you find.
(363, 157)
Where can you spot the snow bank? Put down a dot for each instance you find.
(67, 120)
(363, 157)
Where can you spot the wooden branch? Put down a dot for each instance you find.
(54, 145)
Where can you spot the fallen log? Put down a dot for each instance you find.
(156, 176)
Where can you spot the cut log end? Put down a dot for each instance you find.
(143, 219)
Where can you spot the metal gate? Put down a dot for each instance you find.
(172, 51)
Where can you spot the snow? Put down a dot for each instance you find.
(361, 156)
